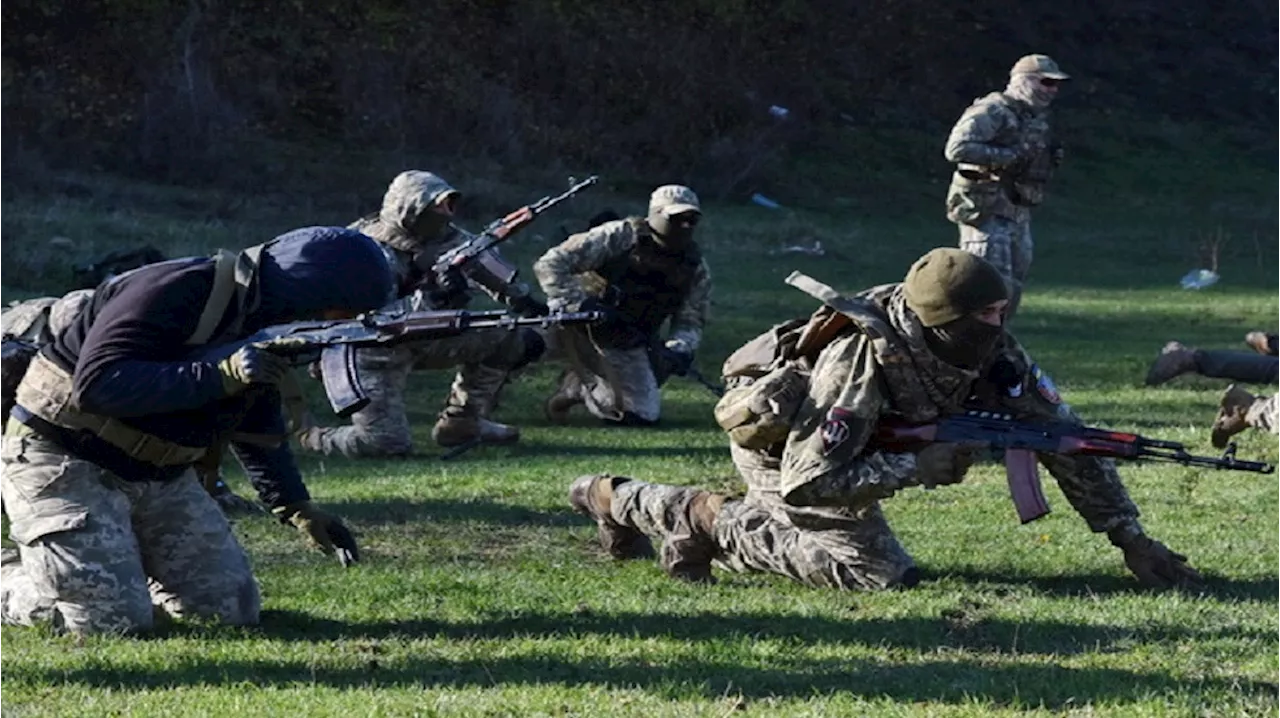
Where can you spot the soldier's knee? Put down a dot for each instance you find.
(532, 347)
(632, 419)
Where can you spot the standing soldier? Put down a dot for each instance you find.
(414, 229)
(641, 272)
(1004, 157)
(802, 412)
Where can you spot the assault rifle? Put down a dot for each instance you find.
(475, 256)
(332, 343)
(1020, 440)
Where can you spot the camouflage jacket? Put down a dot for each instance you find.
(573, 270)
(858, 375)
(1004, 158)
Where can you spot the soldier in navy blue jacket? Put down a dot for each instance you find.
(98, 483)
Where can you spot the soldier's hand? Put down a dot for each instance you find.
(1155, 565)
(594, 304)
(446, 286)
(322, 530)
(252, 364)
(676, 362)
(942, 463)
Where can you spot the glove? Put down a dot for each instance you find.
(675, 362)
(1155, 565)
(942, 463)
(529, 306)
(253, 364)
(323, 531)
(447, 287)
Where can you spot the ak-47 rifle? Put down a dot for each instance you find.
(1020, 440)
(476, 257)
(332, 343)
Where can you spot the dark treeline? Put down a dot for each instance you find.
(174, 88)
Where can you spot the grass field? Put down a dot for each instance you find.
(481, 593)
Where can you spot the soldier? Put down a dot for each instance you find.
(1237, 409)
(803, 407)
(32, 324)
(642, 272)
(97, 481)
(414, 229)
(1004, 158)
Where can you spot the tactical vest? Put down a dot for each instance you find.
(979, 192)
(647, 285)
(46, 388)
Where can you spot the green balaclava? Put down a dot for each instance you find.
(944, 288)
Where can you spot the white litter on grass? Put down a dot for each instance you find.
(814, 251)
(765, 201)
(779, 112)
(1199, 279)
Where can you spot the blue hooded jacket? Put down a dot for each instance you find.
(129, 360)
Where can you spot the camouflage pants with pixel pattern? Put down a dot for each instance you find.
(97, 552)
(759, 534)
(1006, 243)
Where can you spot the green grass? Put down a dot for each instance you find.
(481, 593)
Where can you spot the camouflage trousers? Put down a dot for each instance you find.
(382, 428)
(758, 533)
(609, 382)
(1264, 414)
(97, 553)
(1006, 243)
(1248, 367)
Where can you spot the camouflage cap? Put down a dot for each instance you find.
(673, 199)
(1041, 65)
(413, 192)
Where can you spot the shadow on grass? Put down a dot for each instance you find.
(372, 512)
(361, 661)
(1088, 584)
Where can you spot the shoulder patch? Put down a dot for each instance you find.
(835, 429)
(1045, 385)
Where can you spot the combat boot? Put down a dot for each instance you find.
(1174, 359)
(1260, 342)
(592, 495)
(458, 429)
(566, 396)
(1233, 409)
(689, 549)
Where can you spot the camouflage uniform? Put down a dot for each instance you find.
(97, 538)
(620, 264)
(811, 511)
(1004, 157)
(484, 359)
(39, 320)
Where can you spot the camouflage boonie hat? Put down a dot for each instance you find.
(1041, 65)
(673, 199)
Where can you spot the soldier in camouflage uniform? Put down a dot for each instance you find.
(641, 272)
(1238, 409)
(109, 416)
(414, 229)
(802, 413)
(1004, 157)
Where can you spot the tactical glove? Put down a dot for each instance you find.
(1155, 565)
(252, 364)
(675, 362)
(942, 463)
(323, 531)
(447, 287)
